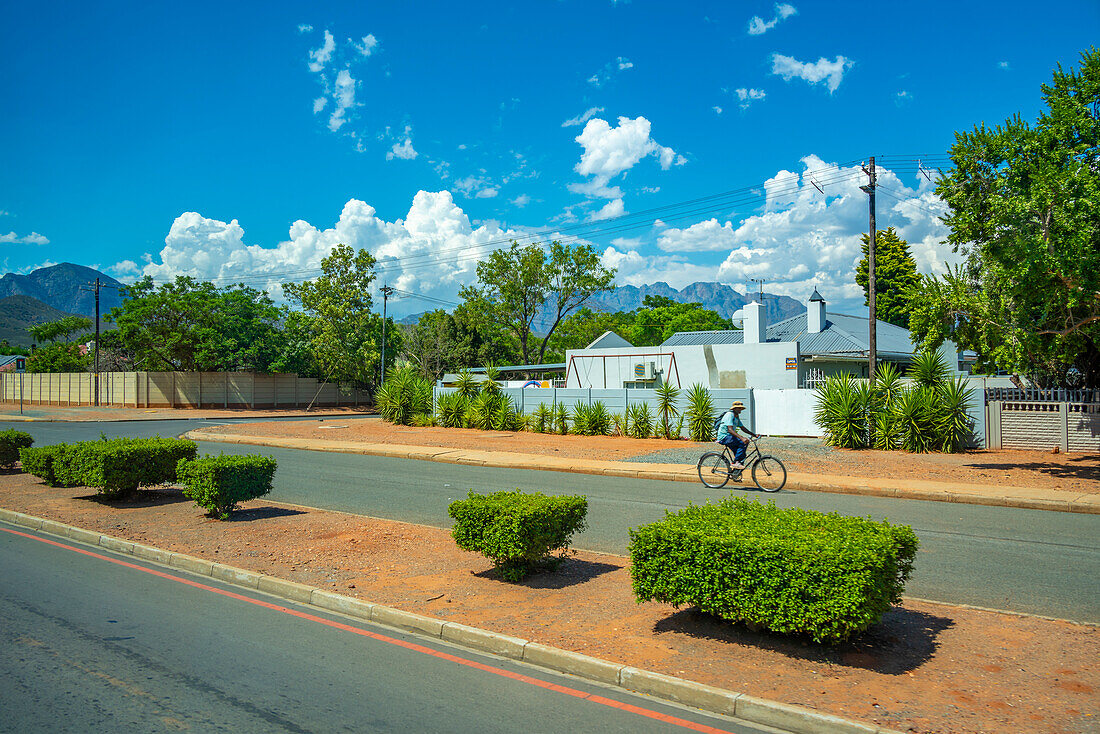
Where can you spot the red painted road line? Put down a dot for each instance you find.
(611, 703)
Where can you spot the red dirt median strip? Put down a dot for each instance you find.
(996, 495)
(795, 719)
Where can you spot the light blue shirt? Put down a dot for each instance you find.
(730, 419)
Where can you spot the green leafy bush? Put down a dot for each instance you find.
(790, 571)
(219, 483)
(40, 462)
(700, 414)
(517, 531)
(119, 466)
(10, 443)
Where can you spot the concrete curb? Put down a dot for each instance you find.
(791, 718)
(1054, 500)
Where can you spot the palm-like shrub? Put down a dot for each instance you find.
(561, 419)
(481, 411)
(492, 374)
(581, 411)
(954, 423)
(700, 414)
(450, 409)
(929, 369)
(915, 419)
(504, 414)
(619, 424)
(599, 420)
(404, 393)
(880, 420)
(467, 384)
(641, 421)
(666, 408)
(841, 412)
(543, 419)
(424, 420)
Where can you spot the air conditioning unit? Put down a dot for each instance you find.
(645, 371)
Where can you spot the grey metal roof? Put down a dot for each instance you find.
(842, 335)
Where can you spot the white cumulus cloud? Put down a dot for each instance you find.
(747, 96)
(403, 149)
(613, 208)
(609, 151)
(320, 56)
(822, 70)
(29, 239)
(344, 96)
(367, 45)
(759, 26)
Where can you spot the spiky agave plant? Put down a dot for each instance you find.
(953, 422)
(543, 418)
(481, 411)
(467, 384)
(666, 408)
(841, 411)
(641, 421)
(451, 409)
(618, 424)
(915, 419)
(561, 419)
(880, 420)
(581, 422)
(929, 369)
(490, 384)
(700, 413)
(599, 420)
(504, 414)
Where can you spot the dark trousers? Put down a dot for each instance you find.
(736, 444)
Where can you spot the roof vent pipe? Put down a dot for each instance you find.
(815, 314)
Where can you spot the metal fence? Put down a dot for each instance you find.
(177, 390)
(1042, 395)
(1044, 425)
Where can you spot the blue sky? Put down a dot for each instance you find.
(238, 141)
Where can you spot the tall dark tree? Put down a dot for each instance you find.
(1025, 212)
(895, 276)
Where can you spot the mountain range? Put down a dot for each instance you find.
(66, 287)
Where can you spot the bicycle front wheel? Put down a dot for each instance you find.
(714, 470)
(769, 473)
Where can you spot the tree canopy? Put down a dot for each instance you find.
(650, 324)
(530, 289)
(63, 327)
(895, 276)
(1025, 212)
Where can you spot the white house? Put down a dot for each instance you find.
(794, 353)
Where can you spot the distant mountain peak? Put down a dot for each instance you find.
(65, 288)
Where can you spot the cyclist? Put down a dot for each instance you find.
(727, 434)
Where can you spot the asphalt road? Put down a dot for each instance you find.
(1031, 561)
(99, 643)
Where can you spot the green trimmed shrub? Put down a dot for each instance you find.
(790, 571)
(10, 443)
(517, 531)
(119, 466)
(218, 483)
(40, 462)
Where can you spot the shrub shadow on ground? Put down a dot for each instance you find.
(145, 497)
(262, 513)
(1079, 467)
(571, 572)
(903, 640)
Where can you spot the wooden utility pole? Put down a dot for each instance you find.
(386, 293)
(872, 320)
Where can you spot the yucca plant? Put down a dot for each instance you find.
(561, 419)
(450, 409)
(700, 414)
(929, 369)
(880, 420)
(599, 420)
(618, 424)
(581, 422)
(467, 384)
(953, 423)
(504, 414)
(490, 384)
(883, 427)
(915, 419)
(679, 429)
(404, 393)
(543, 418)
(666, 408)
(641, 421)
(481, 411)
(841, 411)
(423, 420)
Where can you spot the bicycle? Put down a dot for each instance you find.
(767, 472)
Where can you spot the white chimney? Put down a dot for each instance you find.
(815, 314)
(756, 325)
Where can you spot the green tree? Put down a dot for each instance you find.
(63, 327)
(659, 317)
(296, 353)
(58, 357)
(895, 277)
(431, 342)
(1025, 212)
(580, 329)
(195, 326)
(529, 289)
(347, 335)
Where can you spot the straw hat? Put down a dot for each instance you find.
(737, 404)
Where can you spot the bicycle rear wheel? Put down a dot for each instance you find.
(769, 473)
(714, 470)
